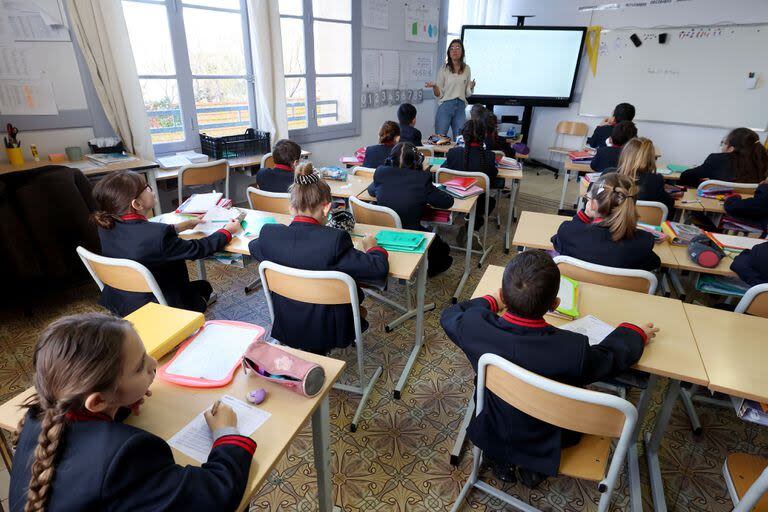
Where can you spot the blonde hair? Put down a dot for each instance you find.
(309, 191)
(638, 156)
(615, 195)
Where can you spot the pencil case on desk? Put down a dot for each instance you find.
(276, 365)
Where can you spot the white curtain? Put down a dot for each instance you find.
(486, 12)
(99, 26)
(267, 50)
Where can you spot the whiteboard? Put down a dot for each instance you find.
(698, 77)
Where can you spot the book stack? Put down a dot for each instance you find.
(436, 160)
(734, 244)
(680, 234)
(201, 203)
(398, 241)
(658, 235)
(110, 158)
(676, 191)
(721, 285)
(715, 192)
(581, 157)
(569, 299)
(462, 188)
(161, 328)
(351, 160)
(437, 216)
(333, 173)
(731, 224)
(509, 163)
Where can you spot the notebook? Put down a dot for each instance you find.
(252, 224)
(677, 168)
(398, 241)
(463, 194)
(161, 328)
(569, 299)
(580, 156)
(436, 160)
(200, 203)
(591, 327)
(460, 183)
(721, 285)
(734, 243)
(509, 163)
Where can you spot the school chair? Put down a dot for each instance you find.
(755, 301)
(484, 183)
(267, 161)
(652, 212)
(739, 188)
(499, 154)
(121, 274)
(600, 417)
(563, 131)
(359, 170)
(206, 173)
(375, 215)
(426, 152)
(630, 279)
(263, 201)
(324, 288)
(746, 477)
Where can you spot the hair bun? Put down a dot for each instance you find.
(308, 179)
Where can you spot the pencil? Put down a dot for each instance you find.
(215, 407)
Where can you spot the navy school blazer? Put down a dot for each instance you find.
(106, 465)
(717, 166)
(305, 244)
(503, 432)
(455, 161)
(753, 209)
(410, 134)
(650, 187)
(408, 192)
(158, 247)
(752, 265)
(588, 240)
(599, 136)
(493, 141)
(276, 179)
(376, 155)
(605, 158)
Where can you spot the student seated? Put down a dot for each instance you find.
(605, 232)
(389, 135)
(403, 185)
(751, 265)
(742, 159)
(507, 436)
(124, 201)
(608, 156)
(638, 163)
(406, 116)
(492, 139)
(74, 452)
(622, 112)
(751, 209)
(307, 243)
(286, 155)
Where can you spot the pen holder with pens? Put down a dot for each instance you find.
(15, 156)
(284, 368)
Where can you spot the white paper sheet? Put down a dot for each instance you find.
(201, 203)
(32, 97)
(376, 14)
(591, 327)
(390, 69)
(415, 69)
(371, 70)
(6, 34)
(35, 21)
(214, 352)
(196, 439)
(16, 63)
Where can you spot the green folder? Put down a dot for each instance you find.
(569, 297)
(397, 241)
(678, 168)
(436, 160)
(252, 225)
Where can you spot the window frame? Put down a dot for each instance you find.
(185, 78)
(313, 132)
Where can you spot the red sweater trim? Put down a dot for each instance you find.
(86, 415)
(133, 216)
(524, 322)
(226, 233)
(583, 217)
(246, 443)
(378, 249)
(475, 145)
(492, 302)
(637, 329)
(283, 167)
(305, 219)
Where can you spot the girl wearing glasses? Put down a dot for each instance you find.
(742, 159)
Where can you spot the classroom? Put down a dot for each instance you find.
(384, 255)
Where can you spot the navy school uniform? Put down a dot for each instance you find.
(503, 432)
(408, 192)
(717, 166)
(599, 136)
(376, 155)
(650, 187)
(605, 158)
(494, 142)
(455, 161)
(158, 247)
(106, 465)
(308, 245)
(276, 179)
(752, 265)
(410, 134)
(754, 209)
(589, 240)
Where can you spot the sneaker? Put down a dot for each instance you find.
(213, 298)
(530, 478)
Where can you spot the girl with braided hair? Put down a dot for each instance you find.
(307, 243)
(605, 232)
(73, 451)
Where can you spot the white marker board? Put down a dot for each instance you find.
(697, 77)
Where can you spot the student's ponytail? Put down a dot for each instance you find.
(114, 194)
(309, 191)
(616, 195)
(749, 159)
(473, 132)
(43, 467)
(406, 156)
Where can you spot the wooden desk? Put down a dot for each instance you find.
(534, 230)
(350, 188)
(134, 165)
(680, 252)
(171, 407)
(441, 149)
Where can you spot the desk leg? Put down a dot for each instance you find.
(468, 256)
(152, 182)
(635, 490)
(566, 177)
(6, 452)
(511, 213)
(653, 443)
(321, 442)
(421, 287)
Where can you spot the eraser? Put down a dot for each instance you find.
(257, 396)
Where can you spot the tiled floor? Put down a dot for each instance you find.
(398, 459)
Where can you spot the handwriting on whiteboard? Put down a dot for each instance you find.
(663, 71)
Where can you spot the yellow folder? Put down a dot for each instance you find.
(161, 328)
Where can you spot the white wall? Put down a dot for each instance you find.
(677, 143)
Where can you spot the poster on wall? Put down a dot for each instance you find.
(421, 21)
(376, 14)
(416, 68)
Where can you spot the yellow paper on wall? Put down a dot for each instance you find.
(161, 328)
(593, 45)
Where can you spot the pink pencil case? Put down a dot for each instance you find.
(276, 365)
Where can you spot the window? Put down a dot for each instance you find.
(319, 38)
(195, 72)
(456, 11)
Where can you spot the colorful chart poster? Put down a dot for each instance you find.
(421, 22)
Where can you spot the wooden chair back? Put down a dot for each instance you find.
(572, 128)
(367, 172)
(623, 282)
(306, 289)
(427, 152)
(444, 175)
(651, 212)
(272, 202)
(206, 173)
(267, 161)
(374, 215)
(755, 301)
(121, 274)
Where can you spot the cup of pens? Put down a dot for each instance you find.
(13, 145)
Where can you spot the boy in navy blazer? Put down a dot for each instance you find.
(608, 156)
(529, 288)
(753, 209)
(751, 265)
(406, 116)
(286, 155)
(622, 112)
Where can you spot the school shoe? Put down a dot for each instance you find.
(461, 239)
(503, 472)
(437, 269)
(213, 298)
(530, 478)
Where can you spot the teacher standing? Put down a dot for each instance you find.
(454, 84)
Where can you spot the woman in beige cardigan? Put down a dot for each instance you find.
(454, 83)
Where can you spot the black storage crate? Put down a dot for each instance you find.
(252, 142)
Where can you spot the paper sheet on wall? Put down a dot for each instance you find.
(376, 14)
(16, 62)
(390, 70)
(35, 20)
(371, 72)
(196, 439)
(416, 68)
(32, 97)
(422, 20)
(6, 34)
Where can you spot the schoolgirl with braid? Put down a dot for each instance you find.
(605, 232)
(308, 244)
(74, 452)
